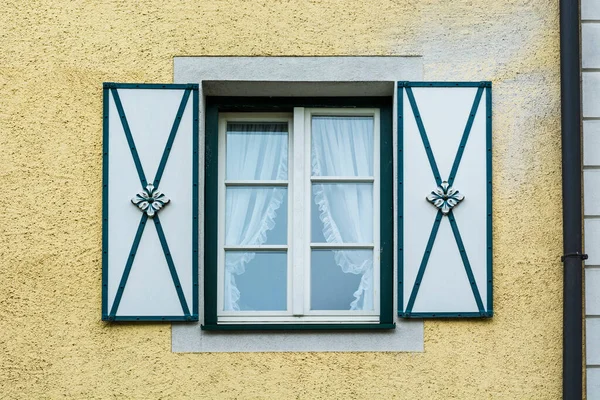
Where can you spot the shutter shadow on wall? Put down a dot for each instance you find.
(445, 199)
(150, 202)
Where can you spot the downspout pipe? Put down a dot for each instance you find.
(571, 193)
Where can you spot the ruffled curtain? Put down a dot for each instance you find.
(343, 146)
(254, 152)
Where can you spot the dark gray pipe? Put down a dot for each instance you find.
(571, 190)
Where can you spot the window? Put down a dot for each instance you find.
(295, 192)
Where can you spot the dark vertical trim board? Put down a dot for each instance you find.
(570, 90)
(105, 107)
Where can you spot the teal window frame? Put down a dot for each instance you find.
(216, 105)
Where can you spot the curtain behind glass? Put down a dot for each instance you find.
(255, 151)
(343, 146)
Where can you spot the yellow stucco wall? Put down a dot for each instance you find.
(54, 55)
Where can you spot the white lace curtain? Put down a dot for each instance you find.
(341, 146)
(254, 152)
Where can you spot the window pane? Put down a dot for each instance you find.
(341, 280)
(342, 213)
(260, 280)
(342, 146)
(255, 215)
(257, 151)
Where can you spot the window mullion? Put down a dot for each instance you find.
(297, 239)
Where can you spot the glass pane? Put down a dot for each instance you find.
(342, 213)
(342, 146)
(260, 278)
(255, 215)
(257, 151)
(341, 280)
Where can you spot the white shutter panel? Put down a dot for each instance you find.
(445, 221)
(150, 203)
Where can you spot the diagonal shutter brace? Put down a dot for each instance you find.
(581, 256)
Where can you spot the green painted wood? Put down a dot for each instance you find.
(423, 133)
(419, 315)
(424, 261)
(105, 108)
(151, 318)
(447, 84)
(386, 235)
(214, 105)
(465, 137)
(171, 139)
(195, 203)
(115, 85)
(171, 264)
(287, 104)
(127, 270)
(465, 260)
(297, 327)
(490, 286)
(211, 210)
(134, 153)
(400, 156)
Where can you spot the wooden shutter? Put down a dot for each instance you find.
(150, 203)
(445, 199)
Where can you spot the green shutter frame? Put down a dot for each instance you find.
(406, 87)
(188, 90)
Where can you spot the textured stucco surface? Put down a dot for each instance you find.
(55, 54)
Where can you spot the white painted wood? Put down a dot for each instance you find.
(341, 245)
(445, 286)
(298, 221)
(342, 179)
(150, 130)
(176, 217)
(471, 214)
(591, 94)
(591, 143)
(123, 217)
(418, 214)
(307, 196)
(246, 317)
(592, 240)
(591, 196)
(307, 136)
(592, 347)
(444, 112)
(222, 150)
(150, 290)
(590, 9)
(593, 383)
(590, 52)
(255, 247)
(299, 246)
(255, 183)
(224, 118)
(592, 291)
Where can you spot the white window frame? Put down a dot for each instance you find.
(299, 246)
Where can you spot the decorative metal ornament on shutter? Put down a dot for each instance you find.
(150, 270)
(445, 199)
